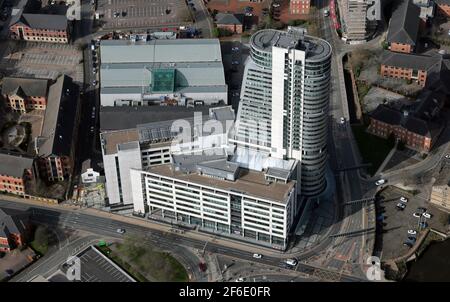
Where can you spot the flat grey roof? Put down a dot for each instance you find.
(14, 165)
(178, 50)
(278, 173)
(125, 117)
(249, 182)
(316, 49)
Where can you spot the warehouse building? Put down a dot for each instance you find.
(169, 72)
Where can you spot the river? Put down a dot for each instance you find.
(433, 265)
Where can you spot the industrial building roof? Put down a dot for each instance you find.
(142, 75)
(14, 165)
(179, 50)
(124, 117)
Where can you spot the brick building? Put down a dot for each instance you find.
(299, 7)
(39, 27)
(17, 173)
(232, 22)
(55, 146)
(410, 66)
(417, 126)
(443, 7)
(25, 94)
(404, 26)
(14, 230)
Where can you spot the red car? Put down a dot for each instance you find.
(202, 266)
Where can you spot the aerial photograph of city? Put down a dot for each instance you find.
(204, 142)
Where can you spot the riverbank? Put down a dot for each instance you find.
(410, 267)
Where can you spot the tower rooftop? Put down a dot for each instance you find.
(315, 48)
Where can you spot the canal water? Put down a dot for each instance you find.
(433, 265)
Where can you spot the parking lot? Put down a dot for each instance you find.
(395, 223)
(97, 268)
(41, 60)
(118, 14)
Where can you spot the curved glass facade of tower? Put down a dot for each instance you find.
(285, 101)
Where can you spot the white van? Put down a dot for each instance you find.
(291, 262)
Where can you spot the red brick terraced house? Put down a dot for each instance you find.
(14, 230)
(443, 7)
(17, 173)
(418, 128)
(39, 28)
(404, 26)
(55, 147)
(25, 94)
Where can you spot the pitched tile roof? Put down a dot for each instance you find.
(28, 86)
(14, 165)
(404, 23)
(59, 119)
(41, 21)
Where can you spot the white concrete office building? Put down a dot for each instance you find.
(284, 102)
(181, 71)
(220, 198)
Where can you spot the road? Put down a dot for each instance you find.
(107, 227)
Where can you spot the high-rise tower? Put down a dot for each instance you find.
(284, 102)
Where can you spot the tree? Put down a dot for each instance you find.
(216, 32)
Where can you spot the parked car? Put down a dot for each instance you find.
(401, 206)
(202, 266)
(120, 231)
(380, 182)
(92, 131)
(417, 215)
(421, 210)
(412, 232)
(408, 244)
(403, 199)
(326, 12)
(447, 156)
(342, 120)
(427, 215)
(235, 63)
(235, 48)
(291, 262)
(240, 279)
(257, 256)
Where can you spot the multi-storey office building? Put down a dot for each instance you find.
(137, 146)
(284, 102)
(219, 197)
